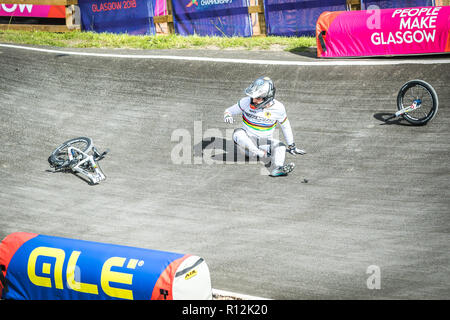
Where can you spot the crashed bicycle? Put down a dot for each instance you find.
(78, 155)
(417, 103)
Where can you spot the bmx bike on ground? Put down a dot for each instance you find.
(79, 155)
(417, 102)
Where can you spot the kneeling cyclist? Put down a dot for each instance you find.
(261, 113)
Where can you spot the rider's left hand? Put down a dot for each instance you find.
(292, 149)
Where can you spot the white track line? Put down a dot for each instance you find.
(239, 61)
(234, 295)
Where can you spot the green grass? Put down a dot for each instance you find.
(79, 39)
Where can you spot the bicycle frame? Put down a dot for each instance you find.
(79, 159)
(416, 105)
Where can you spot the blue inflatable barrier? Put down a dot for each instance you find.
(39, 267)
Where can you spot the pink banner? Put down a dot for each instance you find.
(378, 32)
(30, 10)
(160, 8)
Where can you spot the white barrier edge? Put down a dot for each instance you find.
(319, 63)
(234, 295)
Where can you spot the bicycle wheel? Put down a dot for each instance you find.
(415, 90)
(60, 157)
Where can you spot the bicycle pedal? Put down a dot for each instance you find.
(104, 153)
(101, 156)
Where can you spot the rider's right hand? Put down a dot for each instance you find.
(228, 118)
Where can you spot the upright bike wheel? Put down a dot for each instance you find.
(420, 93)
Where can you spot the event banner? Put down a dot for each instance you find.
(390, 4)
(212, 17)
(39, 267)
(121, 16)
(297, 17)
(30, 10)
(402, 31)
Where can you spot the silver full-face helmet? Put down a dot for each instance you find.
(261, 88)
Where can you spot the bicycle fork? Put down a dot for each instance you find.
(416, 105)
(96, 176)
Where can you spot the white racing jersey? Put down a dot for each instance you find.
(262, 122)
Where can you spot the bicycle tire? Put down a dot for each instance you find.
(59, 157)
(418, 89)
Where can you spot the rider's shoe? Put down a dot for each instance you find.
(283, 170)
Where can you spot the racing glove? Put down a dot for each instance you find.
(228, 118)
(292, 149)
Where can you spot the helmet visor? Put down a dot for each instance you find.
(258, 89)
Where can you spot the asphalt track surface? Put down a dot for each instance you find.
(377, 194)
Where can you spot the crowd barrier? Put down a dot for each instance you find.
(201, 17)
(297, 18)
(212, 17)
(384, 32)
(133, 17)
(246, 18)
(388, 4)
(51, 10)
(39, 267)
